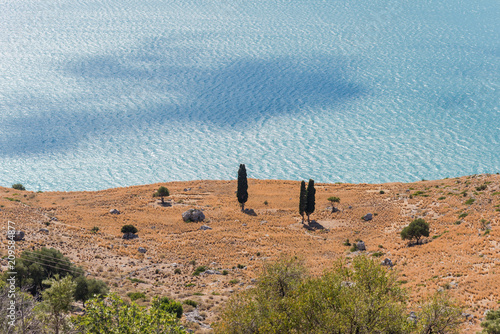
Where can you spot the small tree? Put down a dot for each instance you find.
(242, 192)
(129, 229)
(89, 288)
(162, 192)
(332, 200)
(18, 186)
(311, 199)
(440, 314)
(302, 200)
(417, 229)
(56, 303)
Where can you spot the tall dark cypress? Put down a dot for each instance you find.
(242, 192)
(311, 199)
(302, 200)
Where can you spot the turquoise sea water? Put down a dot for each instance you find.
(105, 93)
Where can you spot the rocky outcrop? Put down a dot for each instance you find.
(16, 236)
(361, 246)
(193, 215)
(368, 216)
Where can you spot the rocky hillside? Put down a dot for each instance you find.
(461, 254)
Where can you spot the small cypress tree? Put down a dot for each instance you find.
(242, 192)
(302, 199)
(311, 199)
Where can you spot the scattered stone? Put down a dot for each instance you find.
(142, 250)
(412, 317)
(44, 230)
(212, 272)
(195, 316)
(114, 212)
(263, 222)
(130, 236)
(350, 207)
(468, 316)
(243, 224)
(251, 258)
(16, 236)
(387, 262)
(54, 219)
(368, 216)
(193, 215)
(361, 246)
(250, 212)
(205, 227)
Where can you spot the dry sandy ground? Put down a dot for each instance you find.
(460, 254)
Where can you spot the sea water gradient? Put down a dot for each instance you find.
(105, 93)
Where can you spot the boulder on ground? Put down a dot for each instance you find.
(387, 262)
(16, 236)
(361, 246)
(250, 212)
(205, 227)
(142, 250)
(114, 212)
(193, 215)
(44, 230)
(129, 236)
(368, 216)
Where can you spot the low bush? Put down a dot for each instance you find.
(136, 295)
(18, 186)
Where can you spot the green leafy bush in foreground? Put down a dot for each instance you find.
(359, 298)
(114, 316)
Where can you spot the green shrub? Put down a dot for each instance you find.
(377, 254)
(346, 242)
(240, 266)
(470, 201)
(354, 248)
(190, 302)
(117, 317)
(94, 229)
(234, 281)
(136, 295)
(441, 198)
(266, 202)
(136, 280)
(382, 192)
(177, 271)
(18, 186)
(169, 306)
(481, 187)
(199, 270)
(463, 215)
(225, 272)
(491, 325)
(129, 229)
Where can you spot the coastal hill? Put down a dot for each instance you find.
(461, 254)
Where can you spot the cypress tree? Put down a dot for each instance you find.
(242, 192)
(302, 200)
(311, 199)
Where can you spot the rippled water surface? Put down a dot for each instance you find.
(107, 93)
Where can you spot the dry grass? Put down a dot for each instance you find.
(460, 251)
